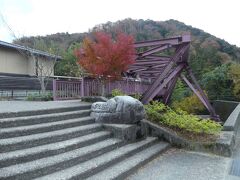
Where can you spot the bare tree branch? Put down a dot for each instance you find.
(43, 71)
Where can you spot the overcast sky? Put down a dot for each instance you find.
(40, 17)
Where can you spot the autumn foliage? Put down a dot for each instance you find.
(106, 58)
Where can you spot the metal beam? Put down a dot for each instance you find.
(154, 50)
(150, 62)
(147, 96)
(172, 41)
(151, 71)
(194, 90)
(142, 68)
(203, 96)
(168, 93)
(165, 70)
(164, 83)
(153, 58)
(145, 68)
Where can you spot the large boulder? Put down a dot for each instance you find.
(118, 110)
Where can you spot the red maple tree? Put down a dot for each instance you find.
(106, 58)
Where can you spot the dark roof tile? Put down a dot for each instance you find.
(27, 49)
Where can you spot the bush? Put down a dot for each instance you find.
(190, 104)
(40, 97)
(117, 92)
(136, 96)
(179, 119)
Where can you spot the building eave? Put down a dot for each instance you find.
(29, 50)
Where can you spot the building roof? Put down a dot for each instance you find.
(27, 49)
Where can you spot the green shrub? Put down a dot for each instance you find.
(40, 97)
(136, 96)
(30, 97)
(162, 114)
(117, 92)
(191, 104)
(47, 97)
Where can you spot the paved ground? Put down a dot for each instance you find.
(178, 164)
(16, 106)
(175, 164)
(237, 149)
(235, 166)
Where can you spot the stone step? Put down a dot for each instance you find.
(44, 127)
(30, 154)
(21, 142)
(38, 119)
(44, 111)
(37, 168)
(124, 168)
(93, 166)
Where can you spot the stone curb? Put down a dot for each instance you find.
(222, 146)
(233, 120)
(94, 99)
(125, 132)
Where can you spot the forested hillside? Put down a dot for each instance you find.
(213, 60)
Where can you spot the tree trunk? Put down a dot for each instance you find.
(103, 88)
(42, 83)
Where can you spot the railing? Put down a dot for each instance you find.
(128, 86)
(67, 89)
(73, 89)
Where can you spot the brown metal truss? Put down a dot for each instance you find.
(162, 62)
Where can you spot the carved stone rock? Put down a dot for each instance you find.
(118, 110)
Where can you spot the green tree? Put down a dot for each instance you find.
(218, 83)
(180, 91)
(204, 60)
(50, 47)
(68, 66)
(235, 76)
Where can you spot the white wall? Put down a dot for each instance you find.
(12, 61)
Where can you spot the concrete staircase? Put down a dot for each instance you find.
(66, 143)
